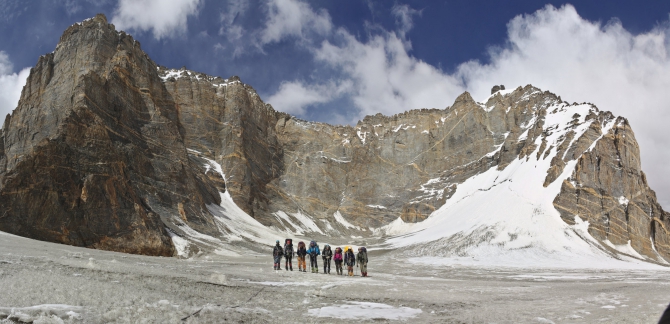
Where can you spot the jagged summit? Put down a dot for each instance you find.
(108, 150)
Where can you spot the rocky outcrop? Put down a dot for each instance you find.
(497, 88)
(94, 153)
(609, 189)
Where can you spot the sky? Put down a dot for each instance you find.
(337, 61)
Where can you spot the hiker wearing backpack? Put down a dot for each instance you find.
(337, 257)
(326, 255)
(277, 253)
(288, 254)
(362, 259)
(350, 261)
(302, 252)
(313, 252)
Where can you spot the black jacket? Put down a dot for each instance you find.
(327, 254)
(288, 251)
(302, 251)
(277, 251)
(350, 258)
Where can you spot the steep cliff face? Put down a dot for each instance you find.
(94, 153)
(227, 121)
(609, 190)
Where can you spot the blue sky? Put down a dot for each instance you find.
(337, 61)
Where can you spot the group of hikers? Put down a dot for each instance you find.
(341, 257)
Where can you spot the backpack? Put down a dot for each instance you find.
(338, 254)
(301, 249)
(351, 258)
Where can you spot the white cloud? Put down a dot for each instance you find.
(293, 97)
(164, 17)
(293, 18)
(11, 85)
(403, 18)
(554, 49)
(386, 78)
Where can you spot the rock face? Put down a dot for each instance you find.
(94, 153)
(107, 150)
(409, 164)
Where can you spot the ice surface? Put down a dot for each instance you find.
(47, 313)
(35, 276)
(364, 310)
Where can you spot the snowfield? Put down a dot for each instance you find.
(44, 282)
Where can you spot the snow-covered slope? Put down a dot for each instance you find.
(507, 217)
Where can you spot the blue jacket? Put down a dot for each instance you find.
(313, 250)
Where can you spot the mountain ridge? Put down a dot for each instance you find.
(289, 175)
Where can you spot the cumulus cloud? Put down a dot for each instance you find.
(292, 18)
(386, 78)
(293, 97)
(164, 18)
(11, 85)
(554, 49)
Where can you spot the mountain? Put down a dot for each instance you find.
(108, 150)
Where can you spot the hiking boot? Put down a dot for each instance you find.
(291, 268)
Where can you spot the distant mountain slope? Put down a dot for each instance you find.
(108, 150)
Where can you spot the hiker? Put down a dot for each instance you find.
(313, 252)
(350, 260)
(277, 253)
(326, 255)
(362, 259)
(288, 254)
(302, 251)
(337, 257)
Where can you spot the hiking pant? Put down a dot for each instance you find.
(350, 269)
(338, 267)
(288, 263)
(277, 262)
(326, 265)
(364, 269)
(313, 263)
(301, 263)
